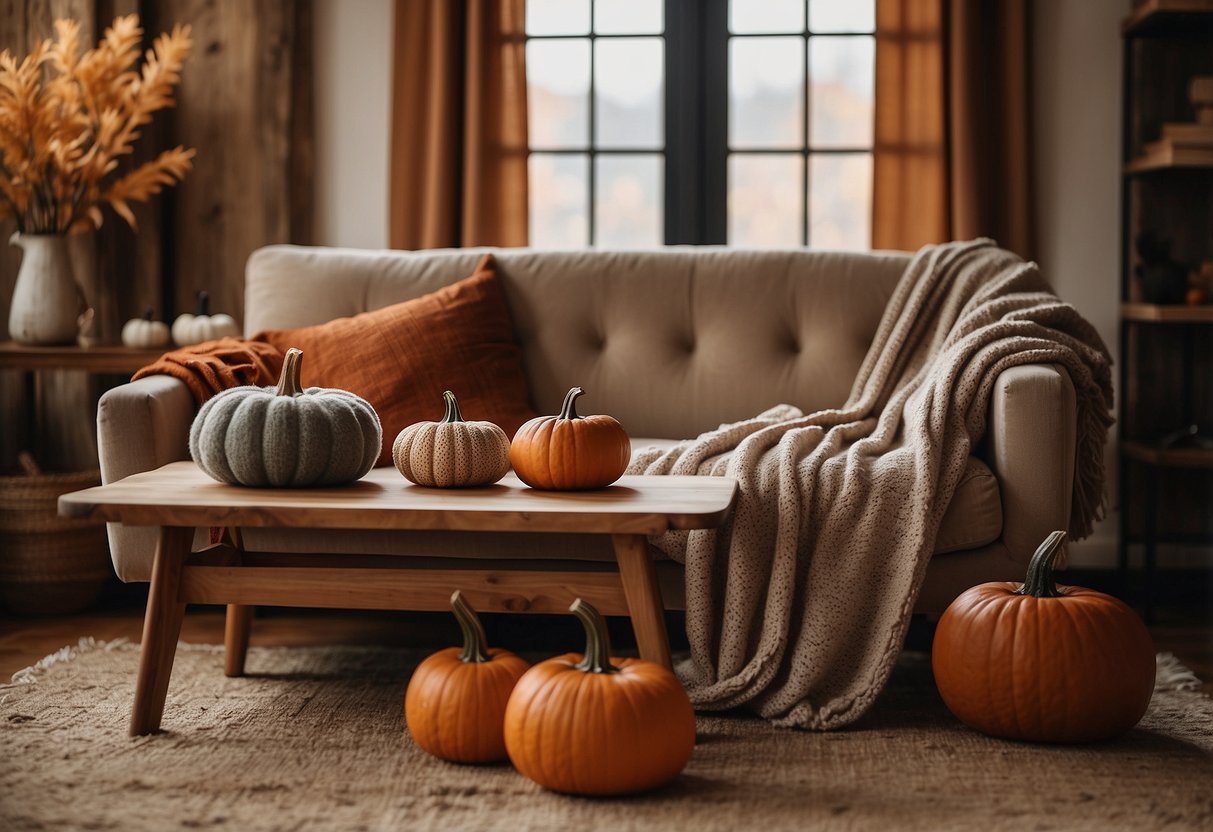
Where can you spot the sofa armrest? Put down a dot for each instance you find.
(1030, 446)
(141, 426)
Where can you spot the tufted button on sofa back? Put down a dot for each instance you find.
(672, 342)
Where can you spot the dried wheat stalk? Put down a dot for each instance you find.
(66, 117)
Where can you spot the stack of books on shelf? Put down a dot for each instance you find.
(1188, 143)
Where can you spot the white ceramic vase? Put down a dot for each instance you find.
(46, 299)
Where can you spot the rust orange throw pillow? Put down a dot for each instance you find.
(400, 358)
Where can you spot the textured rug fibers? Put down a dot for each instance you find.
(315, 739)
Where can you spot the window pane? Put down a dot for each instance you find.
(559, 208)
(841, 72)
(628, 17)
(766, 92)
(766, 16)
(627, 207)
(842, 15)
(558, 93)
(766, 199)
(628, 92)
(557, 17)
(840, 201)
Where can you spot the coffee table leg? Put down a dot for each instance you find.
(644, 596)
(161, 628)
(235, 638)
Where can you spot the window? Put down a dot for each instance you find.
(596, 109)
(747, 122)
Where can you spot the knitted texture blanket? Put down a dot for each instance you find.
(798, 606)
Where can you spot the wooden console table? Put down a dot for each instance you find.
(179, 497)
(93, 361)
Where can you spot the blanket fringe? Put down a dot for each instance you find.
(1171, 674)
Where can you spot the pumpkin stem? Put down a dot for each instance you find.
(288, 382)
(1039, 581)
(204, 303)
(452, 408)
(597, 642)
(148, 314)
(475, 650)
(568, 410)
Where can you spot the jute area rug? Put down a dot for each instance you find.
(315, 739)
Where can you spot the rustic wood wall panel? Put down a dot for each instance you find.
(245, 104)
(237, 106)
(64, 440)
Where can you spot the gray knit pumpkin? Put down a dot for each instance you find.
(286, 436)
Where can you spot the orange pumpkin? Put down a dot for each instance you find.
(594, 725)
(570, 452)
(1042, 662)
(455, 702)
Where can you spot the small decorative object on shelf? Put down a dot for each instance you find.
(594, 724)
(203, 326)
(1200, 93)
(1189, 436)
(570, 452)
(1042, 662)
(286, 436)
(145, 332)
(1162, 279)
(455, 703)
(452, 453)
(66, 118)
(1200, 286)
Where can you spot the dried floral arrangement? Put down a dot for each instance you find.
(66, 119)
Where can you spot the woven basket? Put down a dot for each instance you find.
(49, 564)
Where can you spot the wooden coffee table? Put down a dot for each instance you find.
(178, 498)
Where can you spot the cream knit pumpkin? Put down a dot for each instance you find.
(286, 436)
(452, 453)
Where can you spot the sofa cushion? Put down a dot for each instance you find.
(402, 357)
(974, 518)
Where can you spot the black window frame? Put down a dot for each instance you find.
(696, 121)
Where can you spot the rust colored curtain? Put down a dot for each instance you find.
(458, 150)
(953, 123)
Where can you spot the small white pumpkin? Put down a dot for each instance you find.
(194, 329)
(452, 453)
(286, 436)
(145, 333)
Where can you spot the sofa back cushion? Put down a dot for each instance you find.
(671, 342)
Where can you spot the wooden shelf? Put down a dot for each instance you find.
(1165, 155)
(1168, 457)
(108, 359)
(1152, 16)
(1167, 314)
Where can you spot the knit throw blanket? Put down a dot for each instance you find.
(798, 606)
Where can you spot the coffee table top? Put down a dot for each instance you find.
(179, 494)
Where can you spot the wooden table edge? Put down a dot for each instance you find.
(550, 519)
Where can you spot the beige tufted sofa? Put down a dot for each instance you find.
(671, 342)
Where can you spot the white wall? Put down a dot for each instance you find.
(353, 121)
(1077, 86)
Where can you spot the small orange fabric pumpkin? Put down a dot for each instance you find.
(596, 725)
(455, 702)
(1041, 662)
(570, 452)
